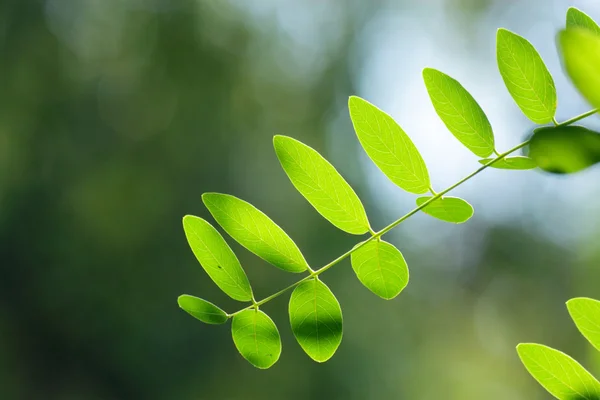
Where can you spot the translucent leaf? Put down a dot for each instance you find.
(255, 231)
(448, 209)
(316, 319)
(586, 314)
(201, 309)
(319, 182)
(381, 268)
(558, 373)
(526, 77)
(388, 146)
(578, 19)
(565, 150)
(459, 111)
(217, 258)
(516, 162)
(581, 58)
(256, 338)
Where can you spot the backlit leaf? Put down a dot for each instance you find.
(526, 77)
(558, 373)
(578, 19)
(448, 209)
(217, 258)
(256, 338)
(389, 146)
(581, 58)
(316, 319)
(565, 150)
(459, 111)
(255, 231)
(516, 162)
(319, 182)
(381, 268)
(586, 314)
(201, 309)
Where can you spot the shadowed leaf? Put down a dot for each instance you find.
(256, 338)
(578, 19)
(581, 58)
(316, 319)
(515, 162)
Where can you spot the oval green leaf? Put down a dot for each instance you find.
(581, 57)
(381, 268)
(558, 373)
(516, 163)
(586, 315)
(459, 111)
(448, 209)
(320, 183)
(578, 19)
(256, 338)
(526, 77)
(251, 228)
(217, 258)
(316, 319)
(389, 146)
(201, 309)
(565, 150)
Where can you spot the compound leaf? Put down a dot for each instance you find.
(389, 146)
(581, 58)
(256, 338)
(201, 309)
(217, 258)
(586, 315)
(255, 231)
(381, 268)
(320, 183)
(448, 209)
(578, 19)
(516, 163)
(558, 373)
(566, 149)
(526, 76)
(316, 319)
(459, 111)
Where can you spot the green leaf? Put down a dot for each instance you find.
(217, 258)
(255, 231)
(526, 76)
(201, 309)
(388, 146)
(381, 268)
(581, 57)
(319, 182)
(448, 209)
(565, 150)
(578, 19)
(316, 319)
(558, 373)
(516, 162)
(256, 338)
(513, 163)
(586, 315)
(459, 111)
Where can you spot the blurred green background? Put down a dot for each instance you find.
(116, 115)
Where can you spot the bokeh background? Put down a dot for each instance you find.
(116, 115)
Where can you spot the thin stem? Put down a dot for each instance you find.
(579, 117)
(378, 235)
(554, 121)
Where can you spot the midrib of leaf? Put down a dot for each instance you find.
(236, 281)
(531, 89)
